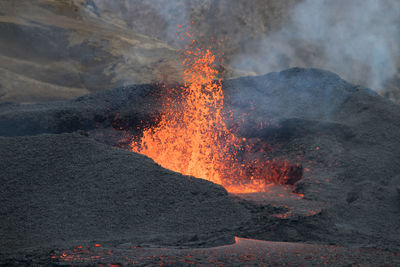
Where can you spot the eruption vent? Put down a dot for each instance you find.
(192, 137)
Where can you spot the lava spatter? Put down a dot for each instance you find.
(192, 137)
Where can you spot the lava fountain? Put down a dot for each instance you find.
(192, 137)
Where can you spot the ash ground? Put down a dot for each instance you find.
(62, 189)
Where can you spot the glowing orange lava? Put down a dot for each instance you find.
(192, 137)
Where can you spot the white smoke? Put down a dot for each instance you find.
(358, 39)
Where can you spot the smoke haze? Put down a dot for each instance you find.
(105, 44)
(357, 39)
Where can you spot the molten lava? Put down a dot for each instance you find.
(192, 137)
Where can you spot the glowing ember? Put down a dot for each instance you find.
(244, 252)
(192, 137)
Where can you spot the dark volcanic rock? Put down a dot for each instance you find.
(84, 113)
(308, 94)
(346, 138)
(67, 190)
(311, 94)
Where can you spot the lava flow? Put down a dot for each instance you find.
(192, 137)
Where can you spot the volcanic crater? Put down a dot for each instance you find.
(69, 177)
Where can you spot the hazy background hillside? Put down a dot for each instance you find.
(62, 49)
(57, 49)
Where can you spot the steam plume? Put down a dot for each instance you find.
(358, 39)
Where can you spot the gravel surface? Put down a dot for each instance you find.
(245, 252)
(59, 190)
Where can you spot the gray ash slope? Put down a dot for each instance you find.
(346, 135)
(65, 190)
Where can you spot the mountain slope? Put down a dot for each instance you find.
(61, 49)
